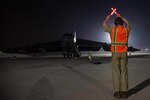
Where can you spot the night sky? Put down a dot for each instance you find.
(29, 22)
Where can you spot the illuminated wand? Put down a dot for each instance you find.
(114, 11)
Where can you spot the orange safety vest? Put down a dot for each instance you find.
(119, 39)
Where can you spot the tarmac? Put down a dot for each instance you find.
(56, 78)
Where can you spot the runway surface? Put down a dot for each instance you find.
(69, 79)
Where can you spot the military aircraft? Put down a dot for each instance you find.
(68, 44)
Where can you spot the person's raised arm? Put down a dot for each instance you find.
(127, 24)
(105, 23)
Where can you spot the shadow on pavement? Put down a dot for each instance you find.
(139, 56)
(42, 90)
(139, 87)
(101, 60)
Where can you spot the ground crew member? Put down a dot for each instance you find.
(119, 46)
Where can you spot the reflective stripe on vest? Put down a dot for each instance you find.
(115, 34)
(127, 33)
(119, 43)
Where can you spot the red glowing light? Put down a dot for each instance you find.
(114, 10)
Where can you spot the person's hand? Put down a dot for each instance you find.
(117, 14)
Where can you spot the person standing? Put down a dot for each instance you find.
(119, 46)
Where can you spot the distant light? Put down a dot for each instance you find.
(104, 37)
(107, 38)
(146, 49)
(75, 37)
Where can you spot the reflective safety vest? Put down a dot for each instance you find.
(119, 39)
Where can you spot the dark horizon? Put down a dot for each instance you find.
(31, 22)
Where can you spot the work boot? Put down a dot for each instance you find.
(117, 95)
(124, 95)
